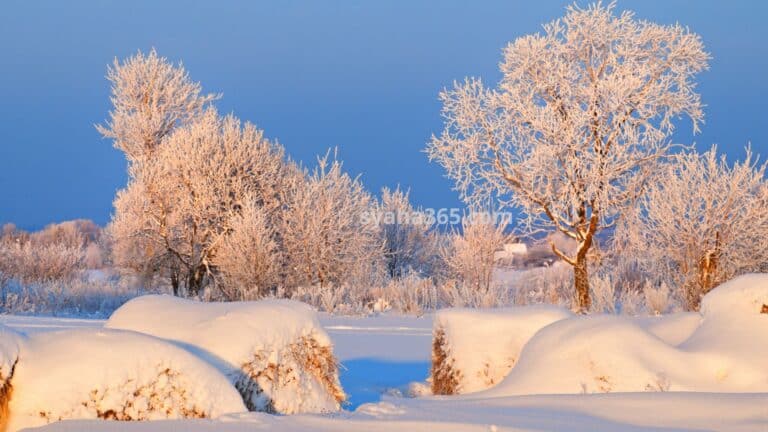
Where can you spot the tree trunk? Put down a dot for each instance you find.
(175, 284)
(581, 282)
(195, 281)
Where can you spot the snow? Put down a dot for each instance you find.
(627, 412)
(673, 329)
(481, 346)
(100, 373)
(9, 352)
(268, 348)
(10, 343)
(387, 352)
(590, 354)
(380, 354)
(511, 251)
(738, 299)
(516, 248)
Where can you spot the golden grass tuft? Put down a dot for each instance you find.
(6, 391)
(163, 397)
(445, 379)
(306, 359)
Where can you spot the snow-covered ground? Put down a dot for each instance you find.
(382, 355)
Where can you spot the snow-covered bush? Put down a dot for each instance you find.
(410, 294)
(93, 293)
(722, 350)
(474, 349)
(658, 300)
(454, 293)
(249, 258)
(470, 255)
(614, 296)
(326, 236)
(9, 355)
(410, 246)
(113, 375)
(274, 351)
(30, 262)
(551, 284)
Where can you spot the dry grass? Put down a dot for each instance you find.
(300, 364)
(6, 390)
(445, 379)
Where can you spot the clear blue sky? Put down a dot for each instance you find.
(360, 75)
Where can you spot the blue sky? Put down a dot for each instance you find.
(362, 76)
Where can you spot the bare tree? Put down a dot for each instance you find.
(325, 234)
(579, 119)
(701, 222)
(150, 97)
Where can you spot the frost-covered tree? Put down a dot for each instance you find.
(150, 97)
(178, 209)
(581, 116)
(701, 222)
(469, 255)
(327, 236)
(409, 244)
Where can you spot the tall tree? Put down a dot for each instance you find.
(581, 116)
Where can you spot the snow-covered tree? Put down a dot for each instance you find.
(701, 222)
(581, 116)
(150, 97)
(327, 237)
(178, 209)
(409, 243)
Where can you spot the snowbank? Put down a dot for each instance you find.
(274, 351)
(474, 349)
(726, 353)
(673, 329)
(113, 375)
(9, 354)
(740, 298)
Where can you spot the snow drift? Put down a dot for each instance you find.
(274, 351)
(9, 355)
(474, 349)
(113, 375)
(593, 354)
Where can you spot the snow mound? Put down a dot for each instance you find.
(474, 349)
(743, 296)
(113, 375)
(9, 354)
(673, 329)
(274, 351)
(726, 352)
